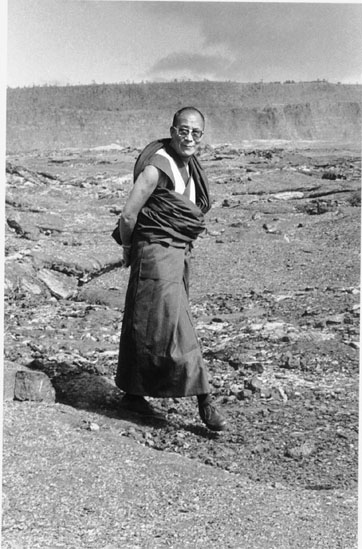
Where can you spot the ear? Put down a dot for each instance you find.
(172, 131)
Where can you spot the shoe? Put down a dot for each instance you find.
(139, 405)
(212, 417)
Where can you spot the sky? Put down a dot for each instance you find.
(61, 42)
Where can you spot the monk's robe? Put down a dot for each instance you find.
(159, 353)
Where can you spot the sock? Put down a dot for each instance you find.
(204, 399)
(133, 397)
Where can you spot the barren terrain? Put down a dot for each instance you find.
(275, 297)
(133, 114)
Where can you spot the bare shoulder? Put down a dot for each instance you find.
(150, 170)
(150, 175)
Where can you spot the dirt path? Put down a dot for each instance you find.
(70, 484)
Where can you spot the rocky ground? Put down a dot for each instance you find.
(275, 298)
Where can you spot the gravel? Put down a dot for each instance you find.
(68, 484)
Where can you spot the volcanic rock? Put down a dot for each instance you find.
(22, 277)
(22, 226)
(335, 319)
(110, 297)
(59, 284)
(245, 394)
(290, 361)
(303, 451)
(50, 223)
(33, 386)
(271, 228)
(258, 387)
(10, 371)
(87, 391)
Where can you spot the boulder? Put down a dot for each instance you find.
(288, 195)
(59, 284)
(33, 385)
(79, 262)
(271, 228)
(50, 223)
(258, 387)
(22, 226)
(65, 365)
(335, 319)
(22, 276)
(236, 390)
(10, 370)
(86, 391)
(274, 330)
(319, 207)
(110, 297)
(278, 393)
(304, 450)
(245, 394)
(289, 360)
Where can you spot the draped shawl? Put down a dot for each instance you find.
(168, 213)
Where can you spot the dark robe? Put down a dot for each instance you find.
(159, 352)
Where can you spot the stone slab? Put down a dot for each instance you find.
(33, 386)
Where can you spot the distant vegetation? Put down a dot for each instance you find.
(131, 114)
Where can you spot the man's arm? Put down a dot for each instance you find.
(142, 190)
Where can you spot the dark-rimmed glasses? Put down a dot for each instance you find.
(184, 132)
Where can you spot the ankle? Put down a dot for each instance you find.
(204, 400)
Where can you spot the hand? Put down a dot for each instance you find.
(126, 255)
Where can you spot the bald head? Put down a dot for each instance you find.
(185, 111)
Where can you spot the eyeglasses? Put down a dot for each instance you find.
(184, 132)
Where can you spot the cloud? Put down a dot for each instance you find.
(112, 41)
(196, 66)
(240, 23)
(264, 40)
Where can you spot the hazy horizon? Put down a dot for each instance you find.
(180, 80)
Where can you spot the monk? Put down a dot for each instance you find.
(159, 353)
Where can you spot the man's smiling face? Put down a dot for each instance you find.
(186, 146)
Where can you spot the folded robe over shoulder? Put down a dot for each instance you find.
(169, 212)
(159, 352)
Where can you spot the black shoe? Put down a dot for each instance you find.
(139, 405)
(212, 417)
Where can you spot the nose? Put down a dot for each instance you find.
(189, 137)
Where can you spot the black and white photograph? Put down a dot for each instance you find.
(181, 274)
